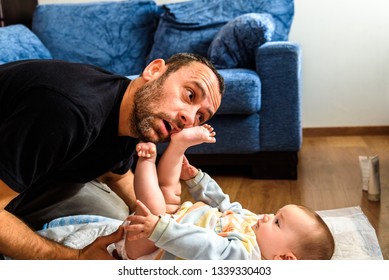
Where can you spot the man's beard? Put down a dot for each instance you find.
(148, 99)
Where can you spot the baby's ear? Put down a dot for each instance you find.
(289, 257)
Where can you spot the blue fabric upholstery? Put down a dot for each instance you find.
(242, 94)
(279, 66)
(17, 42)
(235, 44)
(236, 134)
(114, 35)
(190, 26)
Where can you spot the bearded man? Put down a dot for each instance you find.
(68, 136)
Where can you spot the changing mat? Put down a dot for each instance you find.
(355, 238)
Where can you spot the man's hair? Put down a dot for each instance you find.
(317, 244)
(176, 61)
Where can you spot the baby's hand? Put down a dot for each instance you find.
(146, 149)
(188, 171)
(141, 224)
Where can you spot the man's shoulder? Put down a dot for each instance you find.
(51, 71)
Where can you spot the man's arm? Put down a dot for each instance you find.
(122, 185)
(18, 241)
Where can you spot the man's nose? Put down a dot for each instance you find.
(187, 118)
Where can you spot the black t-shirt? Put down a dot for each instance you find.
(59, 122)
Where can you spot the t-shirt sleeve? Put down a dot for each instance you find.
(43, 131)
(204, 188)
(192, 242)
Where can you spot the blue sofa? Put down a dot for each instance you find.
(259, 122)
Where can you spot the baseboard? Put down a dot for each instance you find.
(345, 131)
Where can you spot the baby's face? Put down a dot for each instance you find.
(276, 233)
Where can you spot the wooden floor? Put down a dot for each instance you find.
(329, 177)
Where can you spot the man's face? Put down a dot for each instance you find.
(185, 98)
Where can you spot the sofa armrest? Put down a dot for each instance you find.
(279, 67)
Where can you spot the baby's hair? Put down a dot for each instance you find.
(318, 244)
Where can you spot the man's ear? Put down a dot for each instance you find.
(154, 69)
(288, 256)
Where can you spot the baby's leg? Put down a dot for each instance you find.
(146, 190)
(169, 167)
(146, 185)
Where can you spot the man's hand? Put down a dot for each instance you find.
(141, 224)
(98, 249)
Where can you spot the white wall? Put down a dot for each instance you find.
(345, 67)
(345, 61)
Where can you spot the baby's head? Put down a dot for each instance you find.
(294, 232)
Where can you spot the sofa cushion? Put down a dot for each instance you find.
(235, 134)
(17, 42)
(116, 36)
(242, 92)
(235, 44)
(238, 134)
(190, 26)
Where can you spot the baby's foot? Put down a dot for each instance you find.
(195, 135)
(146, 150)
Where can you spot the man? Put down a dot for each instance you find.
(63, 123)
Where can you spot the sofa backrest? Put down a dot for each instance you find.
(123, 36)
(190, 26)
(116, 36)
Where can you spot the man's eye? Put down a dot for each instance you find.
(201, 119)
(190, 94)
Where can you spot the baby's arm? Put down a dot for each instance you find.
(203, 188)
(141, 224)
(188, 171)
(169, 166)
(189, 241)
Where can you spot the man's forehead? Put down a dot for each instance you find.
(211, 87)
(204, 79)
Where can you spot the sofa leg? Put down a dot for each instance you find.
(261, 165)
(274, 165)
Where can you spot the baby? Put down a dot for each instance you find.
(213, 227)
